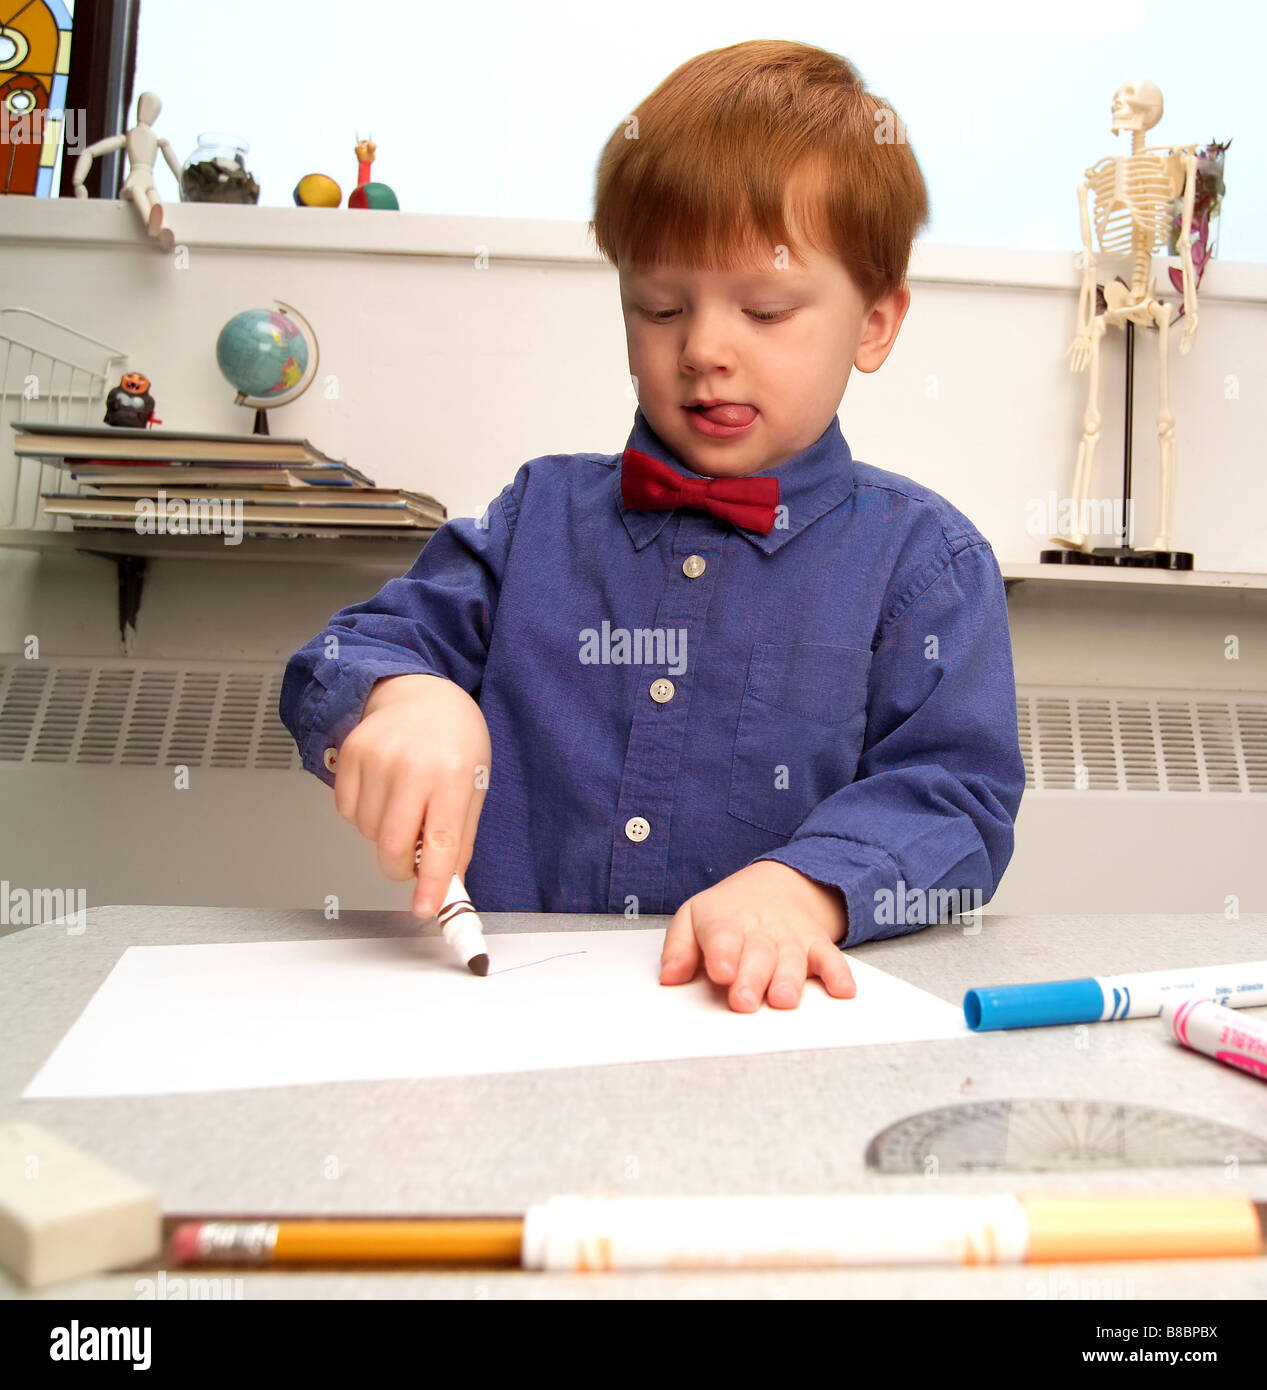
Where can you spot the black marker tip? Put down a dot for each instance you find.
(478, 965)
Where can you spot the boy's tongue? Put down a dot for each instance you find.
(729, 414)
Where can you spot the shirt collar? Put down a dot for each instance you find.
(811, 483)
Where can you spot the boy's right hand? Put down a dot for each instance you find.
(409, 771)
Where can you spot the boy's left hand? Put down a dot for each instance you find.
(766, 927)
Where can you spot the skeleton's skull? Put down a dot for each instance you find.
(1137, 105)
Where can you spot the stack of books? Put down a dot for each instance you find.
(144, 479)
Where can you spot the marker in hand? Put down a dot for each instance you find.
(462, 929)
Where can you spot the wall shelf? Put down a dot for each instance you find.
(384, 551)
(389, 552)
(132, 553)
(1014, 572)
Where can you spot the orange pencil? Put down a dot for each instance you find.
(460, 1241)
(603, 1233)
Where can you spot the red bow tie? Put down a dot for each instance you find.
(646, 484)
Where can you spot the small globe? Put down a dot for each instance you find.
(264, 354)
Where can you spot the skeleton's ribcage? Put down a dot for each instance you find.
(1131, 200)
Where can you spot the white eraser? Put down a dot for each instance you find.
(64, 1213)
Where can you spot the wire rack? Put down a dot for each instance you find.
(50, 373)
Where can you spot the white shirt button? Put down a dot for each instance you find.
(693, 566)
(637, 829)
(662, 691)
(330, 757)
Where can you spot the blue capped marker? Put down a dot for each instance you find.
(1100, 997)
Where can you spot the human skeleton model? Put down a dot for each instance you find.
(1133, 196)
(141, 143)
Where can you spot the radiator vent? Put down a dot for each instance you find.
(1143, 741)
(130, 713)
(143, 714)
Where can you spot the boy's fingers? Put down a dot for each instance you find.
(679, 958)
(827, 961)
(722, 944)
(371, 801)
(398, 832)
(347, 781)
(756, 965)
(789, 976)
(444, 817)
(402, 830)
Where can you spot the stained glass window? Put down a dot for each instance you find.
(34, 68)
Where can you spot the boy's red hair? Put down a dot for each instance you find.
(735, 138)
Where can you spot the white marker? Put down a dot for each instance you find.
(462, 929)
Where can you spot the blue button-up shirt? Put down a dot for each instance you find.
(670, 697)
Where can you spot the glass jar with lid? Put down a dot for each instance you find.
(216, 172)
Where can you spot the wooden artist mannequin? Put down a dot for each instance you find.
(142, 145)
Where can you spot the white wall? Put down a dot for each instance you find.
(1004, 104)
(449, 377)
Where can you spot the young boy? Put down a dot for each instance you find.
(732, 673)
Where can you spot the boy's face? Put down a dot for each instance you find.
(781, 342)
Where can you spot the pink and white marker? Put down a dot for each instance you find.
(1233, 1038)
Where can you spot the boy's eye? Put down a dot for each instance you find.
(760, 315)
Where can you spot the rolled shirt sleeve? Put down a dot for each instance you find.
(926, 827)
(437, 619)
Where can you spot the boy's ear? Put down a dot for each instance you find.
(879, 328)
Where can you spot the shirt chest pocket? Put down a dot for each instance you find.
(802, 718)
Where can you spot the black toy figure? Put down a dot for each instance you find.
(130, 405)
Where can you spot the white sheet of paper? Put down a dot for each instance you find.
(280, 1013)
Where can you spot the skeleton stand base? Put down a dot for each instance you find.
(1122, 556)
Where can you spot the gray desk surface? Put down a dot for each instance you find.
(793, 1122)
